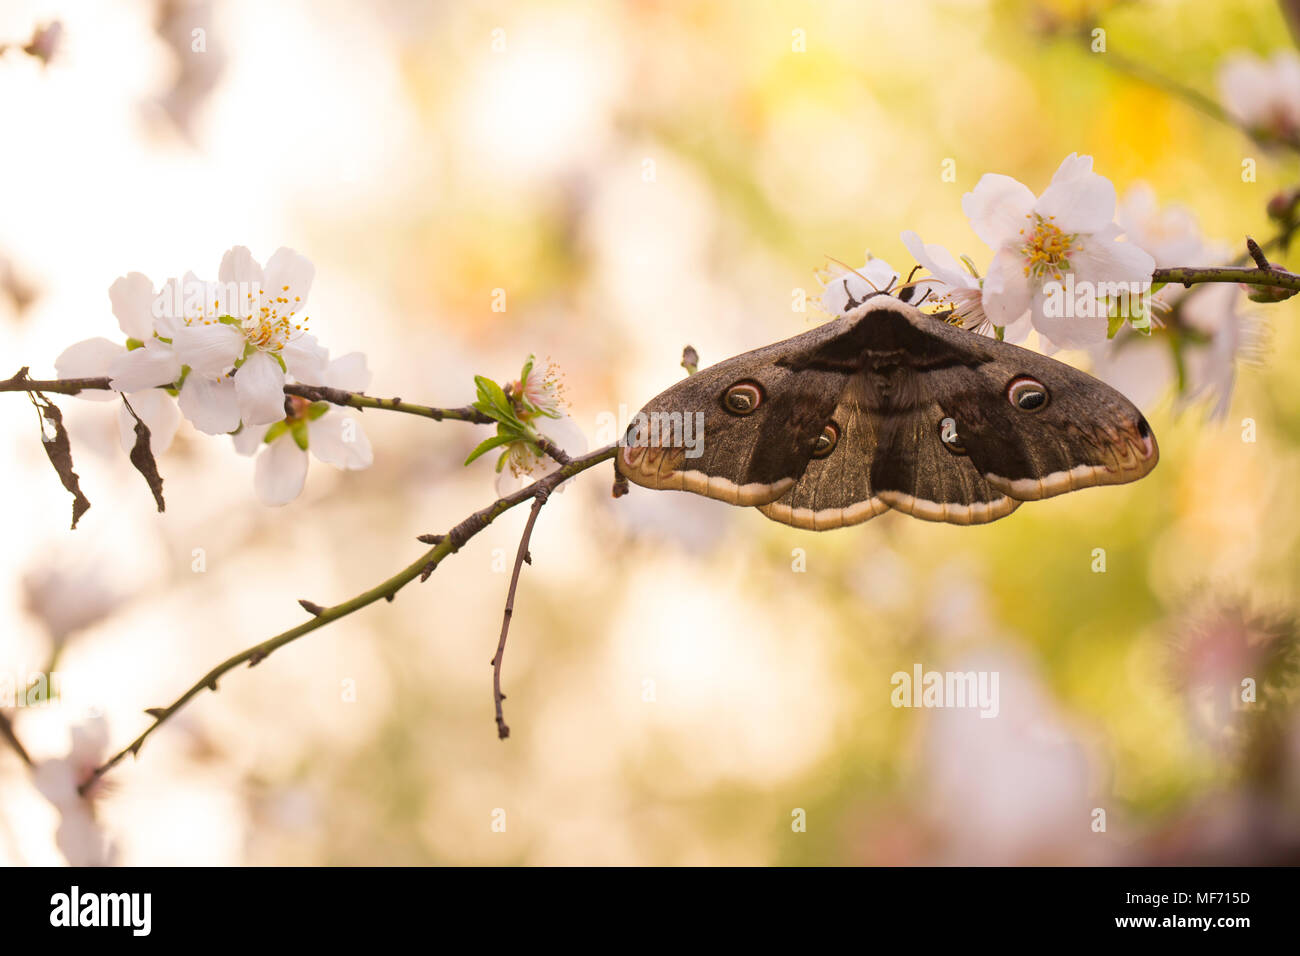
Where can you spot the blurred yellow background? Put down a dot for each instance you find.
(677, 689)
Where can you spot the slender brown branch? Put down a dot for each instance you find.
(553, 450)
(21, 382)
(1256, 253)
(503, 729)
(421, 568)
(7, 732)
(338, 396)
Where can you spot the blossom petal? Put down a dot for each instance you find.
(1138, 367)
(1006, 290)
(1018, 331)
(82, 840)
(239, 267)
(565, 433)
(158, 411)
(338, 440)
(1172, 235)
(209, 349)
(170, 309)
(306, 359)
(1099, 260)
(1245, 88)
(1286, 87)
(167, 309)
(938, 261)
(1078, 201)
(289, 275)
(997, 208)
(56, 779)
(522, 467)
(259, 386)
(249, 439)
(1069, 331)
(132, 296)
(280, 472)
(155, 364)
(210, 404)
(849, 287)
(1213, 309)
(348, 372)
(89, 358)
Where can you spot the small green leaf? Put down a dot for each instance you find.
(493, 402)
(485, 446)
(1113, 324)
(275, 431)
(133, 344)
(299, 431)
(316, 410)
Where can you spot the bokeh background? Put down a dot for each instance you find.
(677, 689)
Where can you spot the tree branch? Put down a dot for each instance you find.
(338, 396)
(503, 729)
(421, 568)
(21, 382)
(1272, 277)
(553, 450)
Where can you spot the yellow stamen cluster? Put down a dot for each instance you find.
(1047, 248)
(546, 388)
(269, 329)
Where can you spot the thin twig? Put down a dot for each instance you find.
(1256, 253)
(21, 382)
(421, 568)
(316, 393)
(503, 729)
(553, 450)
(339, 396)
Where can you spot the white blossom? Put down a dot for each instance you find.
(332, 436)
(256, 337)
(131, 297)
(1206, 323)
(845, 289)
(1069, 229)
(949, 285)
(1263, 95)
(79, 837)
